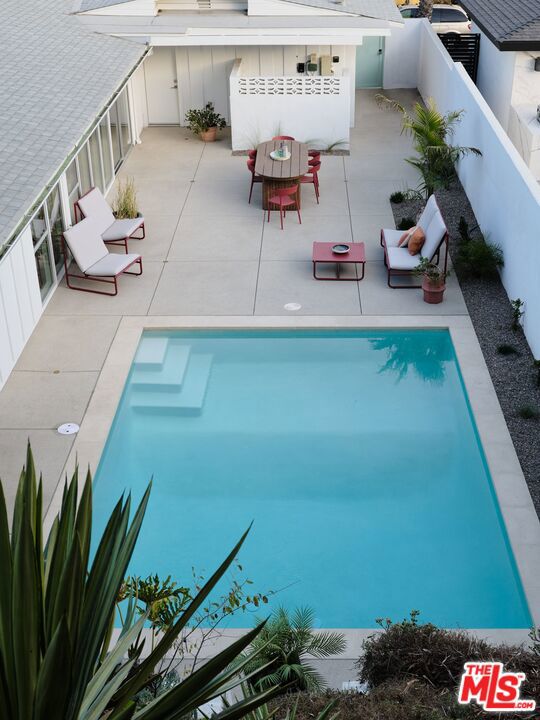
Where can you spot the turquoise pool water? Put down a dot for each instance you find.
(354, 453)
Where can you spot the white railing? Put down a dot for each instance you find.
(314, 109)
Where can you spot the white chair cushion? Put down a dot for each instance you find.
(391, 237)
(428, 212)
(400, 259)
(85, 243)
(113, 264)
(122, 229)
(434, 234)
(94, 205)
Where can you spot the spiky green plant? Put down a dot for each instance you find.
(57, 607)
(125, 203)
(283, 648)
(431, 132)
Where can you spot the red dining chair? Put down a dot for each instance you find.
(254, 177)
(284, 198)
(314, 161)
(252, 154)
(314, 153)
(283, 137)
(312, 177)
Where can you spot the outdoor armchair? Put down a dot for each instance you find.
(117, 232)
(94, 259)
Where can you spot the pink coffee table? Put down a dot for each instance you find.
(322, 253)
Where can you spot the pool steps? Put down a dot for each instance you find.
(179, 387)
(168, 377)
(151, 353)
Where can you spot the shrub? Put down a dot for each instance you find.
(528, 412)
(507, 350)
(409, 650)
(406, 223)
(475, 257)
(517, 313)
(399, 700)
(397, 197)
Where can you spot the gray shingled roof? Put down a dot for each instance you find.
(85, 5)
(377, 9)
(509, 24)
(55, 78)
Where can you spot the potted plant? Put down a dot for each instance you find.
(125, 203)
(433, 281)
(206, 122)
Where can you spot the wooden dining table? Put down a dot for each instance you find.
(281, 173)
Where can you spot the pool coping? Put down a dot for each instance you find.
(517, 509)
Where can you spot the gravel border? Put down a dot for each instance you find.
(516, 380)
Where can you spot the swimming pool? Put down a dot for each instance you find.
(354, 452)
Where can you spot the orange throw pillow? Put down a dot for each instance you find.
(404, 239)
(416, 241)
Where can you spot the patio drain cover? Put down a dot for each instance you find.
(68, 429)
(292, 306)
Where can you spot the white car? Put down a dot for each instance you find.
(444, 18)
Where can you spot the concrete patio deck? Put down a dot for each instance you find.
(209, 253)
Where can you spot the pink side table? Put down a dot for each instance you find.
(322, 253)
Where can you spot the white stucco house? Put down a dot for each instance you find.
(508, 71)
(99, 71)
(250, 57)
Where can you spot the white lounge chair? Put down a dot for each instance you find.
(399, 261)
(94, 259)
(116, 232)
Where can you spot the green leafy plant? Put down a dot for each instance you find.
(517, 313)
(431, 131)
(528, 412)
(57, 609)
(475, 258)
(283, 647)
(125, 202)
(199, 121)
(505, 349)
(397, 197)
(431, 271)
(406, 223)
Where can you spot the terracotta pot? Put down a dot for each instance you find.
(209, 135)
(433, 292)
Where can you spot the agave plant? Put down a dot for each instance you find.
(57, 608)
(431, 132)
(282, 648)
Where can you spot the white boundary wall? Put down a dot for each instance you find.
(501, 189)
(316, 110)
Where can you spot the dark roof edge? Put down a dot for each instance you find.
(500, 43)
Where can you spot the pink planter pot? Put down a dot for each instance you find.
(209, 135)
(433, 294)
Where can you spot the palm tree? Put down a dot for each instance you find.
(425, 8)
(281, 650)
(431, 132)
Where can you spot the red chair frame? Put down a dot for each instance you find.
(108, 279)
(283, 199)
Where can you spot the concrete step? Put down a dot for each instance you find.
(169, 377)
(190, 399)
(151, 353)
